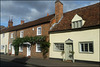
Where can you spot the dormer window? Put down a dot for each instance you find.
(77, 21)
(77, 24)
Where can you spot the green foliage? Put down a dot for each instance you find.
(45, 48)
(37, 39)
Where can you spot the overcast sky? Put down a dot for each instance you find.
(32, 10)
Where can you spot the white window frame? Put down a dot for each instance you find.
(2, 47)
(33, 29)
(37, 48)
(38, 31)
(10, 46)
(21, 34)
(77, 24)
(12, 34)
(58, 47)
(88, 51)
(20, 48)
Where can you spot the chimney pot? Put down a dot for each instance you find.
(22, 21)
(47, 14)
(10, 23)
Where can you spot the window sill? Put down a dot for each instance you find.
(21, 51)
(86, 52)
(38, 51)
(58, 50)
(38, 34)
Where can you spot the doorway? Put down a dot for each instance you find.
(28, 50)
(69, 53)
(13, 50)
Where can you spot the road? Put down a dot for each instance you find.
(6, 63)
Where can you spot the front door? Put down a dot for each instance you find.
(69, 52)
(5, 49)
(28, 50)
(13, 50)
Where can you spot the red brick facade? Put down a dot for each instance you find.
(30, 29)
(30, 32)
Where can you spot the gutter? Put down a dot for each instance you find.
(76, 29)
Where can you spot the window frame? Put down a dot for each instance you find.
(21, 48)
(38, 32)
(21, 35)
(10, 46)
(2, 47)
(37, 50)
(56, 49)
(87, 47)
(76, 24)
(12, 35)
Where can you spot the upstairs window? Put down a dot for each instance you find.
(21, 34)
(77, 24)
(86, 47)
(38, 30)
(11, 35)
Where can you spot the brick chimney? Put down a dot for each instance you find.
(58, 10)
(47, 14)
(22, 21)
(10, 23)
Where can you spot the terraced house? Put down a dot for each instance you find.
(77, 35)
(4, 40)
(32, 28)
(73, 35)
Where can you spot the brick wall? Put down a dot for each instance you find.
(30, 32)
(58, 11)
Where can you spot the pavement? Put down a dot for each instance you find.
(46, 62)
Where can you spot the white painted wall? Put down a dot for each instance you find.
(4, 41)
(77, 36)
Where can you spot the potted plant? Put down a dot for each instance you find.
(62, 53)
(9, 53)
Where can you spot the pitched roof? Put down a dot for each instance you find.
(91, 15)
(29, 24)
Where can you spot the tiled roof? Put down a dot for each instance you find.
(29, 24)
(91, 15)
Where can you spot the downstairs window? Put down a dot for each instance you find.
(86, 47)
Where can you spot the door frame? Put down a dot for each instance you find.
(13, 50)
(28, 50)
(28, 44)
(68, 41)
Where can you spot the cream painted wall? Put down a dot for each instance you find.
(77, 36)
(4, 41)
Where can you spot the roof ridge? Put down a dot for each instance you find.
(88, 6)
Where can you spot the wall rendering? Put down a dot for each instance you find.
(77, 36)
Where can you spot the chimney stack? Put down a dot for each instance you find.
(47, 14)
(22, 21)
(58, 10)
(10, 23)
